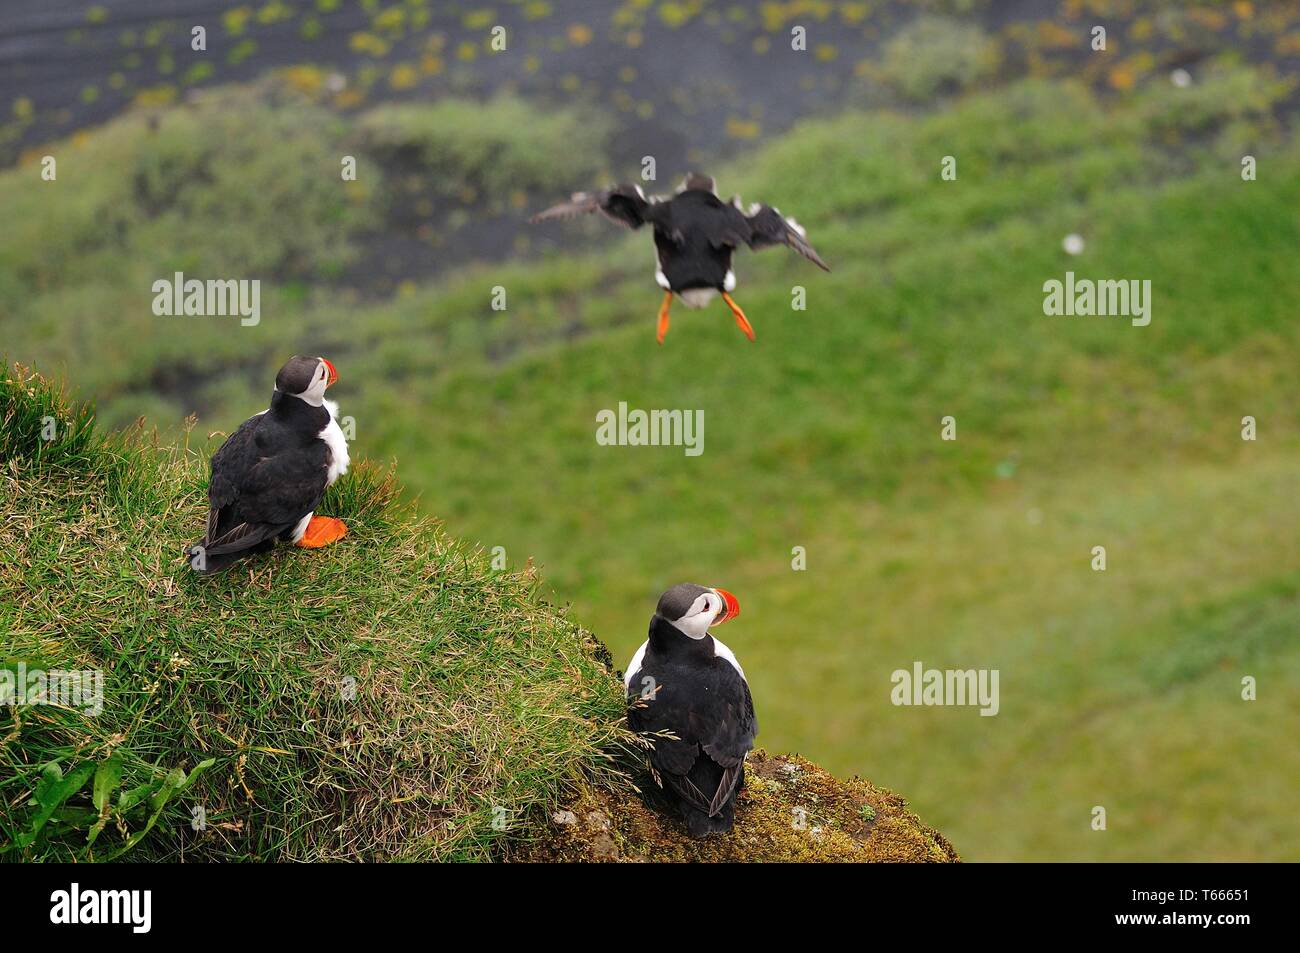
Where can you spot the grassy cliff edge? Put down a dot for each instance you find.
(393, 697)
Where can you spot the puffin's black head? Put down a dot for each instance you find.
(698, 181)
(306, 377)
(693, 608)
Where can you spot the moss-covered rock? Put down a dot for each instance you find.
(790, 810)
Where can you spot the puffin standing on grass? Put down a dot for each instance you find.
(695, 235)
(270, 474)
(685, 683)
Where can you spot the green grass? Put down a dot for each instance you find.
(477, 710)
(1118, 688)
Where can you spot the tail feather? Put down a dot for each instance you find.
(700, 824)
(720, 819)
(247, 536)
(206, 562)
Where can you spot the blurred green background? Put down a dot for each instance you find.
(1119, 688)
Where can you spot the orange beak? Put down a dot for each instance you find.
(732, 610)
(334, 375)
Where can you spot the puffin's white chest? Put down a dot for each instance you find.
(697, 297)
(634, 666)
(722, 652)
(338, 444)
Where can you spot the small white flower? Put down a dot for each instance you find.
(1073, 244)
(1181, 78)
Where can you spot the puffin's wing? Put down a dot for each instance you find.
(718, 723)
(278, 492)
(733, 727)
(625, 204)
(768, 227)
(731, 736)
(675, 754)
(229, 468)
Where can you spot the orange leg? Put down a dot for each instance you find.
(662, 332)
(321, 531)
(740, 316)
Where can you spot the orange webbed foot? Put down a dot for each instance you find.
(741, 320)
(662, 331)
(321, 531)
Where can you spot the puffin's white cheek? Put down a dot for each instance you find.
(697, 626)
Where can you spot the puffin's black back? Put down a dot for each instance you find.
(695, 238)
(704, 701)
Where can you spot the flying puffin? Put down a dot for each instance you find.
(685, 682)
(695, 235)
(270, 474)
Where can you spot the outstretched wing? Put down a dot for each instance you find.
(765, 227)
(625, 204)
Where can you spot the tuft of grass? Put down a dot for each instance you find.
(39, 423)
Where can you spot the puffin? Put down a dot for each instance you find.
(686, 690)
(270, 475)
(695, 235)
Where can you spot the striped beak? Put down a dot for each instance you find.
(731, 610)
(333, 374)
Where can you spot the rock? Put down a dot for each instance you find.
(790, 810)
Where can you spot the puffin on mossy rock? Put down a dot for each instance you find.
(688, 697)
(270, 474)
(695, 235)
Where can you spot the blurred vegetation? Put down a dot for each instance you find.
(933, 56)
(493, 149)
(181, 188)
(247, 181)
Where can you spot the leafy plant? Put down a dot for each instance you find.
(56, 817)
